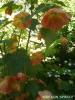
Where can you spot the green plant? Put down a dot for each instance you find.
(37, 50)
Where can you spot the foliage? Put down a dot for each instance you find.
(37, 49)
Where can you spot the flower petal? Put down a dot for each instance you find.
(18, 20)
(55, 19)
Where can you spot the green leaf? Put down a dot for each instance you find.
(50, 87)
(3, 34)
(32, 1)
(49, 36)
(6, 41)
(32, 88)
(4, 22)
(34, 23)
(59, 2)
(52, 50)
(65, 86)
(34, 70)
(48, 6)
(40, 6)
(1, 62)
(10, 5)
(36, 12)
(0, 22)
(17, 61)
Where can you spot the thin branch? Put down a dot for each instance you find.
(19, 39)
(28, 40)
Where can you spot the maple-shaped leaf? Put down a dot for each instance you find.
(49, 36)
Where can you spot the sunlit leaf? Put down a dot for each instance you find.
(52, 50)
(42, 5)
(59, 2)
(32, 1)
(11, 5)
(49, 36)
(36, 12)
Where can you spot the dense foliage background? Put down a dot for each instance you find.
(39, 58)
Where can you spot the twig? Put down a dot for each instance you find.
(19, 39)
(28, 40)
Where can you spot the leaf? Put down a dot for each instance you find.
(0, 22)
(36, 12)
(34, 70)
(32, 1)
(11, 5)
(6, 41)
(34, 23)
(3, 34)
(32, 88)
(65, 86)
(17, 61)
(59, 2)
(1, 62)
(52, 50)
(42, 5)
(49, 36)
(5, 22)
(51, 87)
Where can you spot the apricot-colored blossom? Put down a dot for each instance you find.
(4, 87)
(11, 83)
(38, 81)
(6, 84)
(64, 40)
(36, 58)
(19, 20)
(13, 47)
(55, 19)
(16, 87)
(21, 77)
(8, 11)
(24, 96)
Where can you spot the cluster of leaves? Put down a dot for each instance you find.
(49, 62)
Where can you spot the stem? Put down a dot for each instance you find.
(28, 40)
(29, 31)
(25, 5)
(19, 39)
(4, 49)
(1, 52)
